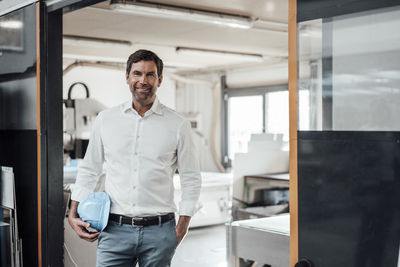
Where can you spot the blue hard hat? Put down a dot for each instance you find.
(95, 210)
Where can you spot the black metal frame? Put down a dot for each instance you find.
(52, 142)
(316, 9)
(71, 5)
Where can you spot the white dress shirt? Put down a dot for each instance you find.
(141, 155)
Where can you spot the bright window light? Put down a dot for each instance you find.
(245, 118)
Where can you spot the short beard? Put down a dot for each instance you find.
(143, 101)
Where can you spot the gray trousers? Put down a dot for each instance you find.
(124, 245)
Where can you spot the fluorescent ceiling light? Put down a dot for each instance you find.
(179, 13)
(181, 65)
(11, 24)
(74, 40)
(221, 54)
(114, 60)
(94, 58)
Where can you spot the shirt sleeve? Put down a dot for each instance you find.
(189, 171)
(90, 169)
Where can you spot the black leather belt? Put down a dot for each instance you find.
(141, 221)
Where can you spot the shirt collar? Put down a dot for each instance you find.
(156, 107)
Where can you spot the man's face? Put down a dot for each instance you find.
(143, 81)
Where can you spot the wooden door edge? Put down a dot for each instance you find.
(292, 44)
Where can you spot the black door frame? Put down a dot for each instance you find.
(52, 74)
(50, 212)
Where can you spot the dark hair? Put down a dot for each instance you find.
(145, 55)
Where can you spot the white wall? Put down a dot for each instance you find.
(275, 74)
(109, 86)
(199, 99)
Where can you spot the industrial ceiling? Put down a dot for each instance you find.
(103, 33)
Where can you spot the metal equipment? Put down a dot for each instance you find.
(10, 243)
(215, 199)
(257, 237)
(261, 181)
(265, 195)
(264, 241)
(79, 115)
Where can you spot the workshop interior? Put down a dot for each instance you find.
(294, 112)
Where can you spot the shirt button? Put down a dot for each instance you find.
(134, 187)
(133, 205)
(136, 153)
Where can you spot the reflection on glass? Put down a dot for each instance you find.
(18, 69)
(18, 43)
(351, 67)
(245, 117)
(11, 31)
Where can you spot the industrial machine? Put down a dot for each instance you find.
(261, 181)
(215, 199)
(79, 115)
(259, 234)
(262, 242)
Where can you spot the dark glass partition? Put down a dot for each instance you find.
(18, 122)
(349, 153)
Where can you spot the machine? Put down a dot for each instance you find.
(79, 115)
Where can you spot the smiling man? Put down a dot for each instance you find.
(142, 143)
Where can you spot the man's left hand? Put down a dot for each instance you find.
(182, 227)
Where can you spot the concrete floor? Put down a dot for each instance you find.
(202, 247)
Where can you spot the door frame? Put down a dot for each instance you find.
(292, 45)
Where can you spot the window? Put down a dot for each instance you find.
(258, 110)
(277, 113)
(245, 117)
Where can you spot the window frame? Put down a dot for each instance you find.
(226, 93)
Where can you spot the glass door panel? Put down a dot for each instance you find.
(351, 66)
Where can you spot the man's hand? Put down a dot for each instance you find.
(80, 226)
(182, 227)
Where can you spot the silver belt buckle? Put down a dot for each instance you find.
(136, 219)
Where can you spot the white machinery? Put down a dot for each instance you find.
(215, 199)
(259, 236)
(266, 154)
(263, 241)
(79, 115)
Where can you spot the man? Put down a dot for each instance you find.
(142, 143)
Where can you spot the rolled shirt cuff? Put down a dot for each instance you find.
(189, 208)
(79, 193)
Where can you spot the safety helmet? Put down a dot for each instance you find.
(95, 210)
